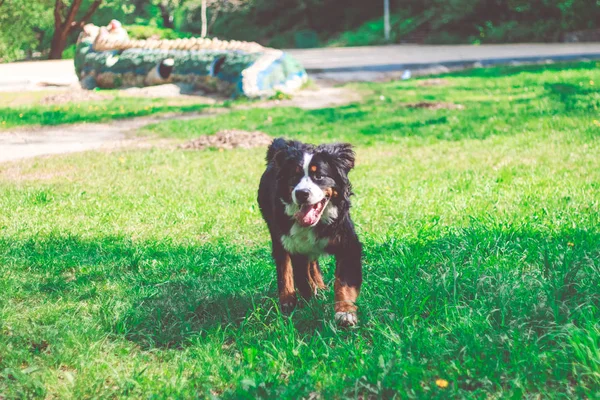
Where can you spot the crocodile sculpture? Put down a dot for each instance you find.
(107, 58)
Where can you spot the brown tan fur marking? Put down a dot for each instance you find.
(345, 297)
(314, 276)
(287, 293)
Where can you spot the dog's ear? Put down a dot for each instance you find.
(276, 151)
(279, 151)
(341, 154)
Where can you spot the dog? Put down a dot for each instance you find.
(304, 197)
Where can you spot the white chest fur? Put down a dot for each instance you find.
(303, 240)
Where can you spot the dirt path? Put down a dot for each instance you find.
(26, 143)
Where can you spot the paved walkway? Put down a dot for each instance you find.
(398, 57)
(28, 75)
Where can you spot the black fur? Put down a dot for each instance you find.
(334, 162)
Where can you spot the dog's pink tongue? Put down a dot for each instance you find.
(309, 214)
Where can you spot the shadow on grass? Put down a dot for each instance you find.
(153, 293)
(508, 70)
(575, 97)
(515, 275)
(158, 294)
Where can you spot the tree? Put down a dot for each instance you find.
(22, 39)
(167, 8)
(166, 15)
(218, 6)
(65, 22)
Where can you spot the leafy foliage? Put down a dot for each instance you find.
(23, 30)
(357, 22)
(145, 32)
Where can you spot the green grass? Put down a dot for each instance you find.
(35, 114)
(146, 273)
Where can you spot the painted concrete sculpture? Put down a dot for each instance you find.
(107, 58)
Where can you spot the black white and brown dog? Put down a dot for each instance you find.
(304, 196)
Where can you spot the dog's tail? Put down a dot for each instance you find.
(275, 147)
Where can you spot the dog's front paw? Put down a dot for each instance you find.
(288, 303)
(287, 308)
(346, 319)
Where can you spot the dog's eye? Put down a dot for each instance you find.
(318, 176)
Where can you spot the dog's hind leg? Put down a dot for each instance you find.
(285, 278)
(315, 276)
(302, 276)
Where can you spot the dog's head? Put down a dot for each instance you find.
(312, 181)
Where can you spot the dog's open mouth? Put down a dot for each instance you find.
(310, 214)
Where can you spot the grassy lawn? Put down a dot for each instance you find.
(147, 273)
(25, 109)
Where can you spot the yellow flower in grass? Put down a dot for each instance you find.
(596, 122)
(20, 115)
(571, 244)
(441, 383)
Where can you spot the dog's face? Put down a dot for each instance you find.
(313, 181)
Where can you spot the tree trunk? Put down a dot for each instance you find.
(65, 23)
(308, 15)
(166, 16)
(204, 23)
(59, 42)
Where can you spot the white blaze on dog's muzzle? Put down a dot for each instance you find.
(306, 191)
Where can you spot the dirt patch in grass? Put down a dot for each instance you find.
(230, 139)
(184, 93)
(435, 105)
(433, 82)
(73, 96)
(314, 98)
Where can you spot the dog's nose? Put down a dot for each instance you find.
(302, 195)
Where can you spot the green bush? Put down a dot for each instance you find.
(22, 28)
(513, 31)
(370, 33)
(282, 41)
(444, 37)
(69, 52)
(306, 39)
(145, 32)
